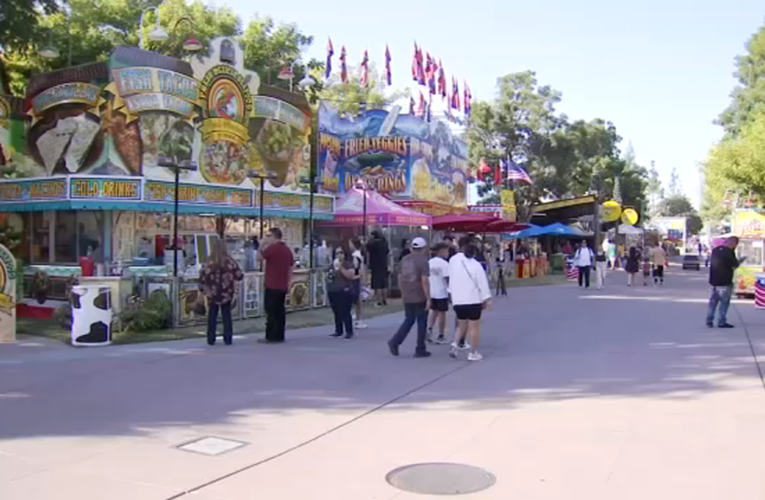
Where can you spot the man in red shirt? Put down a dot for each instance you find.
(279, 262)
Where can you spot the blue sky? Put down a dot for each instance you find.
(661, 71)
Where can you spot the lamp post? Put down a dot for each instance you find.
(157, 34)
(362, 184)
(172, 162)
(253, 175)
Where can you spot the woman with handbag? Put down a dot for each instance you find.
(359, 270)
(217, 282)
(340, 277)
(470, 293)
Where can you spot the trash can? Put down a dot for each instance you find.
(520, 266)
(759, 290)
(91, 315)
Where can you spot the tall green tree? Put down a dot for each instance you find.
(748, 98)
(675, 184)
(654, 189)
(351, 98)
(680, 206)
(19, 21)
(90, 31)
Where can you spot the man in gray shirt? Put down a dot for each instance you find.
(415, 291)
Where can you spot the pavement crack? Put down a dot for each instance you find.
(324, 434)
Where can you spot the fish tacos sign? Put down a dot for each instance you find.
(7, 296)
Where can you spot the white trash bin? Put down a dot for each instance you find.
(91, 315)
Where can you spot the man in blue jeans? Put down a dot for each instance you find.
(723, 264)
(415, 291)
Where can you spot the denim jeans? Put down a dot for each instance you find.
(413, 313)
(584, 274)
(212, 320)
(720, 295)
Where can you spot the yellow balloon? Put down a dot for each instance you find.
(611, 211)
(630, 216)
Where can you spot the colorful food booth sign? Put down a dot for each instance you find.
(402, 156)
(198, 195)
(33, 190)
(105, 189)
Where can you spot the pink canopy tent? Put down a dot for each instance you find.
(349, 211)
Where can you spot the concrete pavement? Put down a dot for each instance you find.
(620, 393)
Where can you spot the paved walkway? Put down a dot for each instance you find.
(614, 394)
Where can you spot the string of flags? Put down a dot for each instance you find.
(426, 71)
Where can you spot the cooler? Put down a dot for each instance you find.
(91, 315)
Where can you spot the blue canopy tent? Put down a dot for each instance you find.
(534, 231)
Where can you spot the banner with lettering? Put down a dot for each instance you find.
(401, 156)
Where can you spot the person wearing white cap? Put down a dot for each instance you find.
(415, 291)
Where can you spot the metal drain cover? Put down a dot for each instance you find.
(212, 446)
(440, 479)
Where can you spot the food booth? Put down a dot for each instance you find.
(89, 177)
(749, 226)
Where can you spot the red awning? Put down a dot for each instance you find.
(464, 223)
(504, 226)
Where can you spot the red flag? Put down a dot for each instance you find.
(364, 80)
(343, 66)
(441, 79)
(483, 168)
(388, 74)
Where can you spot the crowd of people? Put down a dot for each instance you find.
(651, 261)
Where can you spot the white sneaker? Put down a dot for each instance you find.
(360, 325)
(453, 350)
(465, 346)
(474, 356)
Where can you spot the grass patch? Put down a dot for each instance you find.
(298, 319)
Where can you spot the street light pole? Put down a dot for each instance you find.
(172, 162)
(262, 185)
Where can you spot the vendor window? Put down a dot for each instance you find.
(75, 234)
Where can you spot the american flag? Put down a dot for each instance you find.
(364, 81)
(343, 66)
(330, 53)
(516, 172)
(388, 74)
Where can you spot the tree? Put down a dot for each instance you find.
(680, 206)
(748, 99)
(617, 191)
(268, 47)
(19, 21)
(91, 30)
(655, 190)
(351, 98)
(675, 184)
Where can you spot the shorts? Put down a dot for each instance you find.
(658, 272)
(470, 312)
(379, 279)
(441, 305)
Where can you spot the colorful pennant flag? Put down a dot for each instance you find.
(441, 79)
(455, 94)
(429, 71)
(517, 173)
(430, 109)
(343, 66)
(364, 80)
(415, 71)
(421, 106)
(467, 100)
(330, 53)
(411, 106)
(420, 68)
(388, 74)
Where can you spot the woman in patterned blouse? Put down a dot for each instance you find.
(217, 283)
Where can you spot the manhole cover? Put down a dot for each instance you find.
(440, 479)
(211, 446)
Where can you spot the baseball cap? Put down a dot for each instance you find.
(419, 243)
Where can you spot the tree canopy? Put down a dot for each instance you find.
(564, 158)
